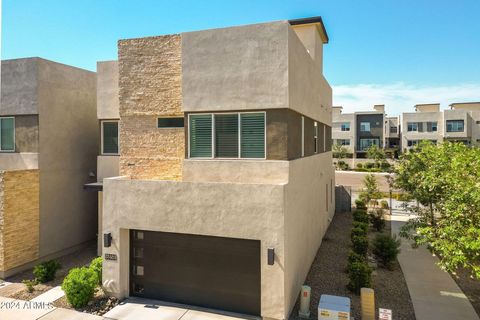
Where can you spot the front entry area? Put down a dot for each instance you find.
(210, 272)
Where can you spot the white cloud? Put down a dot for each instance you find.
(400, 97)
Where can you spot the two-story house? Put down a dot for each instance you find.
(226, 183)
(48, 146)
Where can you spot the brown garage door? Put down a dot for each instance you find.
(211, 272)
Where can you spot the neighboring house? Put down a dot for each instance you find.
(392, 134)
(226, 183)
(359, 130)
(48, 146)
(461, 124)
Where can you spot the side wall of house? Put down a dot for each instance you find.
(19, 218)
(68, 131)
(150, 86)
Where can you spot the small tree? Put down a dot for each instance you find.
(376, 154)
(370, 191)
(339, 151)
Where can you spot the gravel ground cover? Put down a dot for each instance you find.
(469, 286)
(100, 304)
(327, 275)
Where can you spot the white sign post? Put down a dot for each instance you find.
(384, 314)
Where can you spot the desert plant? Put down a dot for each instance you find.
(30, 284)
(361, 225)
(359, 274)
(96, 265)
(369, 165)
(360, 244)
(360, 216)
(45, 271)
(360, 204)
(386, 249)
(376, 218)
(359, 165)
(355, 257)
(342, 165)
(79, 286)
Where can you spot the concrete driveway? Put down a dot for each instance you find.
(145, 309)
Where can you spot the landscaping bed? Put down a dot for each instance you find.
(469, 286)
(328, 275)
(99, 305)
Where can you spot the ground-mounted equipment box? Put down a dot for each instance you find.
(333, 308)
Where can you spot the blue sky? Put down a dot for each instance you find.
(393, 52)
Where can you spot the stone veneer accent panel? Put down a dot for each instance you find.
(150, 87)
(19, 218)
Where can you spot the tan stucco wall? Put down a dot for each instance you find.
(107, 90)
(237, 68)
(235, 171)
(150, 87)
(19, 218)
(422, 116)
(246, 211)
(308, 91)
(309, 208)
(310, 37)
(19, 87)
(18, 161)
(68, 133)
(107, 166)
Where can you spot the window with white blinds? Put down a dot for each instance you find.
(230, 135)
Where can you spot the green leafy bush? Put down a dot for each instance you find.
(361, 225)
(386, 249)
(45, 271)
(369, 165)
(385, 166)
(358, 232)
(30, 284)
(360, 204)
(359, 165)
(376, 218)
(355, 257)
(360, 216)
(360, 244)
(384, 204)
(342, 165)
(359, 274)
(79, 286)
(96, 265)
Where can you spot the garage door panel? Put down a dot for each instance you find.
(213, 272)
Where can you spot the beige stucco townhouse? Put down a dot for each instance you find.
(48, 144)
(226, 180)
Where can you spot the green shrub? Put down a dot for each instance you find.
(360, 244)
(361, 225)
(376, 218)
(385, 166)
(360, 204)
(45, 271)
(360, 216)
(359, 274)
(359, 165)
(384, 204)
(342, 165)
(386, 249)
(79, 286)
(96, 265)
(369, 165)
(30, 284)
(358, 232)
(355, 257)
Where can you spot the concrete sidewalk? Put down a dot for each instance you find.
(434, 293)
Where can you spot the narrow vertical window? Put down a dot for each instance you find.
(326, 196)
(109, 137)
(303, 136)
(7, 134)
(315, 137)
(252, 135)
(226, 136)
(200, 142)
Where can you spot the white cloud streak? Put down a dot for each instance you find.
(400, 97)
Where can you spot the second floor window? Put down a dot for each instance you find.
(412, 126)
(7, 134)
(343, 142)
(345, 126)
(393, 129)
(230, 135)
(110, 137)
(365, 126)
(455, 126)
